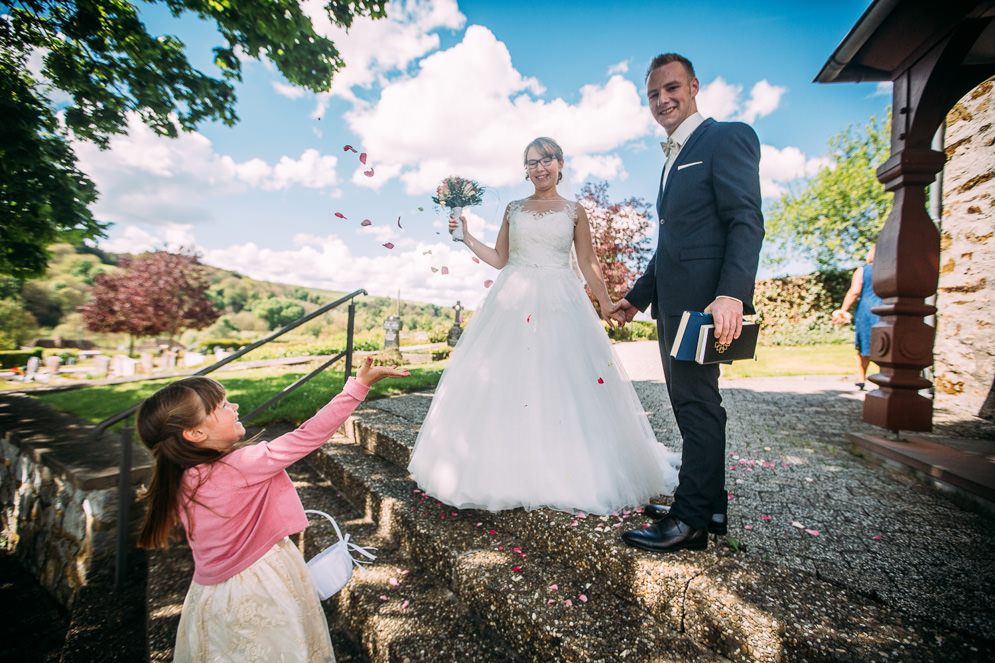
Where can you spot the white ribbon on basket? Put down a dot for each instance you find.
(332, 568)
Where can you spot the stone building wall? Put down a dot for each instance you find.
(964, 364)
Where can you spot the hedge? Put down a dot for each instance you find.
(17, 358)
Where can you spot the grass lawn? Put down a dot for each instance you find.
(252, 387)
(774, 360)
(249, 388)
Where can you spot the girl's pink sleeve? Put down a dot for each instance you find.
(258, 462)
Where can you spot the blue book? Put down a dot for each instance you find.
(695, 341)
(685, 345)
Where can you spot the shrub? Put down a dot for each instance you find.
(208, 344)
(17, 358)
(439, 334)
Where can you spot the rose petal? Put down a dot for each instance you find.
(601, 381)
(348, 148)
(475, 259)
(813, 532)
(583, 598)
(795, 523)
(366, 222)
(389, 245)
(384, 598)
(362, 158)
(568, 602)
(340, 215)
(574, 524)
(492, 532)
(488, 283)
(399, 223)
(747, 526)
(479, 524)
(445, 270)
(553, 588)
(764, 517)
(404, 605)
(516, 568)
(368, 173)
(518, 550)
(393, 582)
(876, 538)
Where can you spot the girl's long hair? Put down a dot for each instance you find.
(160, 421)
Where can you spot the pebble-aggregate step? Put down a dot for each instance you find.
(544, 610)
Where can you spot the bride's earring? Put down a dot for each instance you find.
(559, 177)
(526, 177)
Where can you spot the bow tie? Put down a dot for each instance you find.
(670, 147)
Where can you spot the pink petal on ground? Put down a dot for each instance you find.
(524, 555)
(488, 283)
(500, 547)
(729, 495)
(366, 222)
(453, 513)
(340, 215)
(813, 532)
(795, 523)
(747, 526)
(445, 270)
(518, 550)
(362, 158)
(574, 524)
(583, 598)
(764, 517)
(404, 605)
(479, 524)
(550, 601)
(368, 173)
(733, 467)
(516, 568)
(492, 532)
(601, 381)
(876, 538)
(403, 571)
(582, 515)
(348, 148)
(553, 588)
(475, 259)
(393, 582)
(568, 602)
(389, 245)
(384, 598)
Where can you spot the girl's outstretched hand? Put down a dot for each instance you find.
(369, 374)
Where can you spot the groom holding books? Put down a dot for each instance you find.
(708, 247)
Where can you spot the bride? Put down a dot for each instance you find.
(534, 409)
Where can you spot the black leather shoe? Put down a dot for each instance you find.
(668, 535)
(718, 524)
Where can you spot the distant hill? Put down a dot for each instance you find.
(251, 308)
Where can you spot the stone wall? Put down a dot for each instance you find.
(965, 344)
(58, 490)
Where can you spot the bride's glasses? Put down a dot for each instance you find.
(532, 164)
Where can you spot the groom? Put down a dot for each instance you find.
(708, 247)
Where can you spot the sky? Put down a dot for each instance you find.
(442, 88)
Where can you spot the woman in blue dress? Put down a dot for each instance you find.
(863, 293)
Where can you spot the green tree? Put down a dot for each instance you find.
(102, 56)
(278, 312)
(17, 325)
(835, 217)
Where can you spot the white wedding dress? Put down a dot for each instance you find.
(534, 409)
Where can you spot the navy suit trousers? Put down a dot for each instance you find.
(697, 404)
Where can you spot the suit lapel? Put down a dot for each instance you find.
(683, 157)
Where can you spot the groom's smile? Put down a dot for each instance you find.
(671, 93)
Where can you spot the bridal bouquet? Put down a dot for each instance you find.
(456, 193)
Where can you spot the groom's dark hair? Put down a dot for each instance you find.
(667, 58)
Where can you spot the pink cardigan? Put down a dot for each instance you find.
(246, 502)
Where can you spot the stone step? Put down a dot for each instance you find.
(394, 611)
(719, 597)
(544, 610)
(420, 620)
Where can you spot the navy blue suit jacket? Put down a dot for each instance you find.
(711, 224)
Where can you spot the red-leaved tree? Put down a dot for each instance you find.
(621, 236)
(154, 293)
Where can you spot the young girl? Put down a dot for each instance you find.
(251, 598)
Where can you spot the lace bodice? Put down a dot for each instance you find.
(541, 232)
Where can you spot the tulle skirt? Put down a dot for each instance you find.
(268, 612)
(534, 409)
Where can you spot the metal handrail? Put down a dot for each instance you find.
(124, 469)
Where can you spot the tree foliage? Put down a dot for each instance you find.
(154, 293)
(620, 235)
(100, 54)
(836, 217)
(278, 312)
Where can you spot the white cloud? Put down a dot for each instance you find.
(721, 100)
(289, 91)
(424, 127)
(778, 167)
(620, 68)
(882, 89)
(600, 167)
(149, 179)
